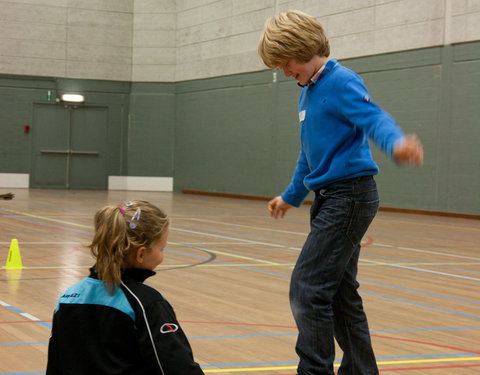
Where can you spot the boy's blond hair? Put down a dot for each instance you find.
(292, 35)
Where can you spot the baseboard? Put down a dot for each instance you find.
(14, 180)
(140, 183)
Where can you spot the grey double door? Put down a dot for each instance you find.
(69, 147)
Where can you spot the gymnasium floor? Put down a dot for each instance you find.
(226, 272)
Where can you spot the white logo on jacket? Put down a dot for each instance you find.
(169, 328)
(301, 115)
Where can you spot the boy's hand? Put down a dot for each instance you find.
(278, 207)
(409, 151)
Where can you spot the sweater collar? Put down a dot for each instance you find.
(322, 72)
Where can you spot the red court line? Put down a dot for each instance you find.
(426, 368)
(240, 324)
(427, 343)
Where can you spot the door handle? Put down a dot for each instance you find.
(69, 152)
(66, 152)
(84, 153)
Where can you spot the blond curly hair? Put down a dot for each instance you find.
(292, 35)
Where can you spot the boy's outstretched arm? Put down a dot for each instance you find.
(277, 207)
(409, 151)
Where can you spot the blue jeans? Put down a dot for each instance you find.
(323, 290)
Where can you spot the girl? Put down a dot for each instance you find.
(112, 323)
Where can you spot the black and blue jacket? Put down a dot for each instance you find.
(132, 332)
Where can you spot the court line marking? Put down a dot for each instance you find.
(44, 243)
(250, 241)
(24, 314)
(396, 265)
(417, 291)
(282, 246)
(243, 226)
(404, 362)
(420, 305)
(257, 242)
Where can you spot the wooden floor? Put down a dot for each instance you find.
(226, 272)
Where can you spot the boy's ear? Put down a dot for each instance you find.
(139, 254)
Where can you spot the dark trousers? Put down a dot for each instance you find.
(323, 290)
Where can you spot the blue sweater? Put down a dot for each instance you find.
(336, 119)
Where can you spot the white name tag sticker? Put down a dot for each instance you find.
(301, 115)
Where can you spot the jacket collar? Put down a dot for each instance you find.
(137, 274)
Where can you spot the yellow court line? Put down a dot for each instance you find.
(50, 219)
(44, 267)
(449, 225)
(227, 265)
(421, 264)
(230, 254)
(405, 362)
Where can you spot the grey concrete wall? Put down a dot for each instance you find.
(67, 38)
(181, 40)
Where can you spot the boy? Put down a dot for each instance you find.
(336, 119)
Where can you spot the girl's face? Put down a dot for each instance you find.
(148, 258)
(154, 256)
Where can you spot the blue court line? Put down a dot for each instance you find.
(422, 305)
(295, 333)
(23, 343)
(241, 235)
(378, 295)
(276, 335)
(402, 260)
(419, 291)
(339, 359)
(283, 275)
(30, 221)
(20, 312)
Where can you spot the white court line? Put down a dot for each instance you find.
(421, 270)
(29, 316)
(20, 312)
(213, 243)
(44, 243)
(426, 251)
(298, 249)
(235, 239)
(362, 260)
(243, 226)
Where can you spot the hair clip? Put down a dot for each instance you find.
(135, 219)
(129, 204)
(122, 210)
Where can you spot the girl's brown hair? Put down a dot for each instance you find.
(292, 35)
(120, 229)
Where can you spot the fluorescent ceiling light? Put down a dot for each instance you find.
(76, 98)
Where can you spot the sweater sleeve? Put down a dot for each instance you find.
(170, 349)
(361, 111)
(296, 191)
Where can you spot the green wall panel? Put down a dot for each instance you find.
(239, 134)
(222, 139)
(151, 130)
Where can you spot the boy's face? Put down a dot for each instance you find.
(302, 72)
